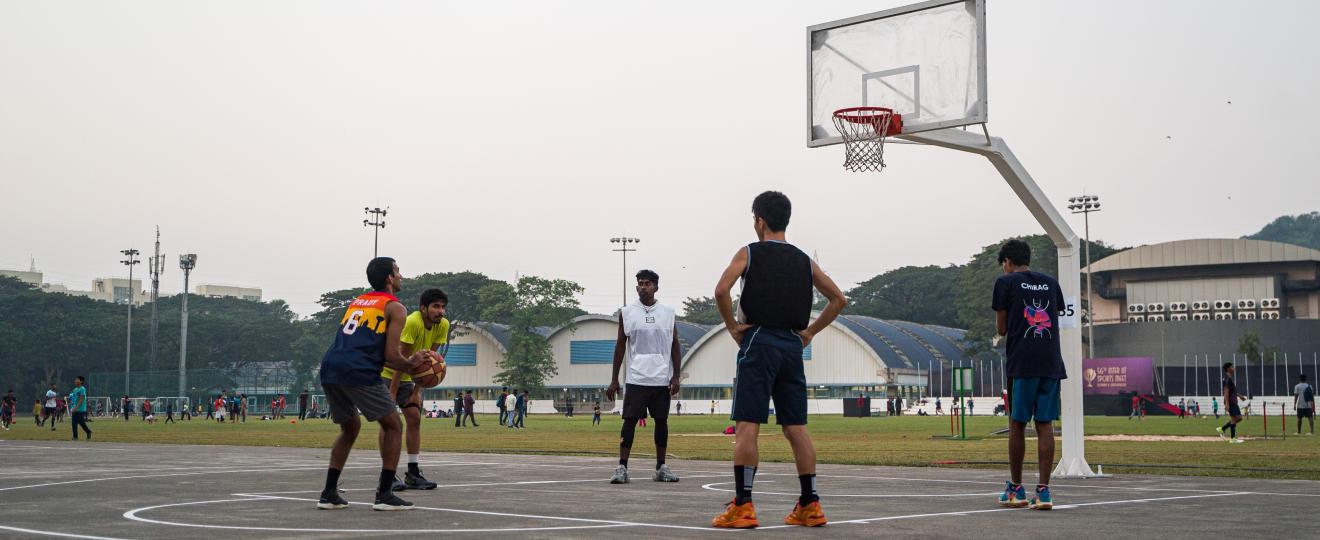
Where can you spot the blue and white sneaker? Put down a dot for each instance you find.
(1042, 500)
(1014, 496)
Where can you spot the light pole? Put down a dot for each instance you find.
(157, 264)
(186, 263)
(1084, 205)
(131, 260)
(624, 241)
(378, 222)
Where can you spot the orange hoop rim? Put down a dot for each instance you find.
(873, 116)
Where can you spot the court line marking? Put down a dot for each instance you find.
(483, 484)
(595, 523)
(992, 510)
(832, 495)
(59, 534)
(1001, 482)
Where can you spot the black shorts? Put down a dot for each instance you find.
(404, 394)
(638, 400)
(1233, 409)
(1305, 413)
(345, 401)
(770, 368)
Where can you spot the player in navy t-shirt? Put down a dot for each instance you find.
(1027, 307)
(1231, 398)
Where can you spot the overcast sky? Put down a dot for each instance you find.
(518, 137)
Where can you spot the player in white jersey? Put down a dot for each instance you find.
(648, 339)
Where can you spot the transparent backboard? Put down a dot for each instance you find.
(925, 61)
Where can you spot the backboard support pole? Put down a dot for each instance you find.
(1073, 463)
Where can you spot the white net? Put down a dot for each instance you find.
(864, 130)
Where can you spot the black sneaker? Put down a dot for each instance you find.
(417, 481)
(398, 486)
(387, 502)
(331, 501)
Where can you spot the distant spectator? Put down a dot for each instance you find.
(1305, 403)
(469, 404)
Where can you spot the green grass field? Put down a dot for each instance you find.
(909, 440)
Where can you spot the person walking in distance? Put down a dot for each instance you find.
(302, 405)
(521, 405)
(78, 407)
(648, 340)
(1231, 398)
(772, 330)
(469, 404)
(1305, 403)
(511, 404)
(48, 407)
(8, 408)
(712, 407)
(499, 404)
(426, 329)
(169, 411)
(1026, 305)
(595, 414)
(366, 341)
(458, 408)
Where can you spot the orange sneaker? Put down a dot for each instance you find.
(737, 516)
(807, 516)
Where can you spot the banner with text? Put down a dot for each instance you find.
(1118, 375)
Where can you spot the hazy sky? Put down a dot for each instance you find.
(520, 136)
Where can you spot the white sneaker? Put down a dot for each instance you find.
(1220, 431)
(620, 475)
(1237, 441)
(663, 474)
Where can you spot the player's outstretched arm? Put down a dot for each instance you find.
(724, 294)
(837, 301)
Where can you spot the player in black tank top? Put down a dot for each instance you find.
(776, 308)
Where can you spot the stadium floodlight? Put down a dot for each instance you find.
(1084, 205)
(377, 222)
(130, 259)
(186, 263)
(624, 241)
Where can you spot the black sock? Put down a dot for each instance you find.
(623, 461)
(415, 468)
(808, 483)
(660, 455)
(742, 479)
(1232, 431)
(386, 482)
(331, 481)
(1228, 425)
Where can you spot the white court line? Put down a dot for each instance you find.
(70, 447)
(53, 533)
(484, 484)
(1001, 482)
(194, 473)
(992, 510)
(595, 523)
(880, 496)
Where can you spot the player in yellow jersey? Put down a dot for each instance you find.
(425, 329)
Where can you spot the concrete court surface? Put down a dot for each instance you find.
(113, 490)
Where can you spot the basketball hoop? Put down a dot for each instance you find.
(864, 130)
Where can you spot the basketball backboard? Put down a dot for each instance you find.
(925, 61)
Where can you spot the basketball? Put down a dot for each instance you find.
(430, 372)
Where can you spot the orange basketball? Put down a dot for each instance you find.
(429, 373)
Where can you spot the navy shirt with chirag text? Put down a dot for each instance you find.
(1033, 301)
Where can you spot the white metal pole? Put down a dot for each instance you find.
(1184, 371)
(1073, 461)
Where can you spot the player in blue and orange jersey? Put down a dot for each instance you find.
(366, 341)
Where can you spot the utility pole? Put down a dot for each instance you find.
(186, 263)
(131, 260)
(1084, 205)
(157, 264)
(378, 222)
(624, 241)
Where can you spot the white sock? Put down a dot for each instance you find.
(412, 458)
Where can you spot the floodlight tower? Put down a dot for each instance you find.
(624, 241)
(1084, 205)
(186, 263)
(157, 266)
(130, 260)
(377, 221)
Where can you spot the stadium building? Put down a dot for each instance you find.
(856, 355)
(1190, 302)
